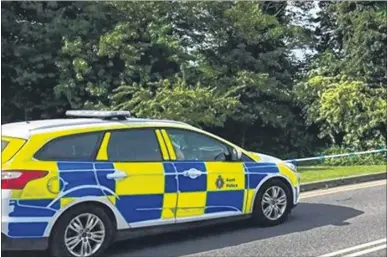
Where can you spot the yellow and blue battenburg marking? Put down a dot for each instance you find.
(186, 197)
(181, 196)
(29, 210)
(85, 179)
(257, 171)
(77, 179)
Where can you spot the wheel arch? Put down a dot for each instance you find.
(271, 178)
(105, 204)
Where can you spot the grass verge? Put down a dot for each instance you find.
(318, 173)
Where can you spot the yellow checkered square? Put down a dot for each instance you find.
(249, 198)
(169, 206)
(225, 176)
(191, 204)
(143, 179)
(66, 201)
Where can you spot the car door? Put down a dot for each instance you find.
(209, 184)
(139, 176)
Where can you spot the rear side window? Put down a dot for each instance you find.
(80, 147)
(3, 145)
(134, 145)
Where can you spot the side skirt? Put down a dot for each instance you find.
(126, 234)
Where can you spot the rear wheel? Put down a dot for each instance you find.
(85, 231)
(272, 204)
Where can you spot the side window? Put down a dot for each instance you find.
(194, 146)
(246, 158)
(134, 145)
(3, 145)
(79, 147)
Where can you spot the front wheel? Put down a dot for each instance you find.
(84, 231)
(272, 204)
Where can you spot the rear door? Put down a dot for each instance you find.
(209, 184)
(145, 189)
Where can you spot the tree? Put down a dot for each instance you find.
(356, 34)
(30, 43)
(224, 66)
(349, 112)
(246, 46)
(344, 91)
(176, 100)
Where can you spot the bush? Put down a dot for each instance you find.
(365, 159)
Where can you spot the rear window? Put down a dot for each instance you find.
(80, 147)
(3, 145)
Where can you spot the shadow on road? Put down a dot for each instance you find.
(305, 217)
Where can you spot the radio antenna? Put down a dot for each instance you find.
(25, 115)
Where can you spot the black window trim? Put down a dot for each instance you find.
(247, 157)
(137, 128)
(93, 156)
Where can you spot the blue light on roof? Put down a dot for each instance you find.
(97, 114)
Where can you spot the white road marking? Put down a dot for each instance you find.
(342, 189)
(371, 250)
(358, 247)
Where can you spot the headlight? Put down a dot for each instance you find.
(268, 158)
(291, 166)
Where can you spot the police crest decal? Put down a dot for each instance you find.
(219, 182)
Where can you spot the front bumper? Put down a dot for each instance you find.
(296, 193)
(23, 244)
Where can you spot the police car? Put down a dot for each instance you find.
(76, 185)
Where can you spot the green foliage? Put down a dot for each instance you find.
(322, 173)
(30, 43)
(349, 112)
(227, 67)
(344, 91)
(356, 32)
(366, 159)
(176, 100)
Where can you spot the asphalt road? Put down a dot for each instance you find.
(381, 253)
(320, 225)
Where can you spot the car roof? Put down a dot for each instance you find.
(25, 129)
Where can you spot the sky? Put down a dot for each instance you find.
(301, 53)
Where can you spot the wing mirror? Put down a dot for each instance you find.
(236, 154)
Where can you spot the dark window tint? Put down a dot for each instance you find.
(3, 145)
(194, 146)
(82, 147)
(135, 145)
(246, 158)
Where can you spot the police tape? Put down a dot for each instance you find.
(323, 157)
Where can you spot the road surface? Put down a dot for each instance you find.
(345, 221)
(322, 224)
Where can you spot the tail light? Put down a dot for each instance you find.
(18, 179)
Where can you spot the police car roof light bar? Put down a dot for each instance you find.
(107, 115)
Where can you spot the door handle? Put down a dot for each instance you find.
(117, 175)
(192, 173)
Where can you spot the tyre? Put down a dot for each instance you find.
(272, 203)
(85, 231)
